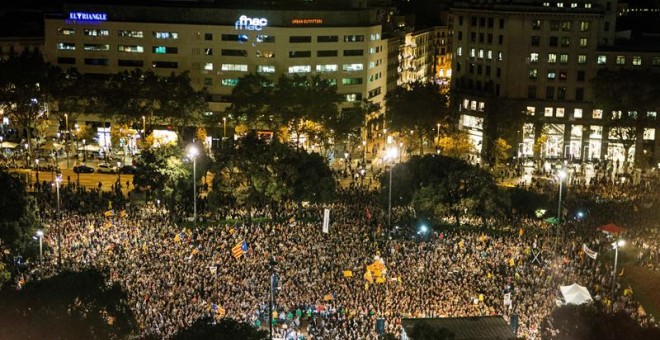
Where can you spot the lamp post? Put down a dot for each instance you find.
(27, 156)
(118, 173)
(364, 154)
(224, 127)
(84, 150)
(346, 160)
(144, 126)
(616, 245)
(37, 162)
(561, 174)
(192, 153)
(437, 138)
(40, 235)
(58, 180)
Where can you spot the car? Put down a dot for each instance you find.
(107, 168)
(128, 169)
(81, 169)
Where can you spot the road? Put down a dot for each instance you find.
(87, 180)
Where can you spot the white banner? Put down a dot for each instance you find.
(589, 252)
(507, 299)
(326, 220)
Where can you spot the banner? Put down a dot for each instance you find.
(326, 220)
(348, 273)
(589, 252)
(507, 299)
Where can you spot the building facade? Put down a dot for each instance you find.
(218, 46)
(540, 59)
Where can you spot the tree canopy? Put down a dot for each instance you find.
(18, 219)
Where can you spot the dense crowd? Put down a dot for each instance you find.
(175, 275)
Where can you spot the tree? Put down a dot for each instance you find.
(346, 125)
(591, 322)
(503, 120)
(226, 329)
(71, 305)
(251, 99)
(418, 108)
(159, 169)
(179, 104)
(18, 218)
(25, 89)
(501, 151)
(456, 144)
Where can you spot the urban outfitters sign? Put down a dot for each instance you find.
(85, 16)
(251, 24)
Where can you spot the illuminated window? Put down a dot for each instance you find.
(552, 75)
(620, 60)
(597, 114)
(164, 50)
(582, 59)
(351, 81)
(584, 26)
(577, 113)
(300, 69)
(584, 42)
(552, 58)
(353, 38)
(66, 31)
(165, 35)
(536, 24)
(351, 97)
(565, 41)
(565, 25)
(66, 46)
(229, 82)
(96, 47)
(649, 134)
(234, 67)
(563, 58)
(326, 68)
(531, 110)
(266, 69)
(265, 54)
(130, 48)
(130, 34)
(96, 33)
(601, 60)
(459, 51)
(208, 66)
(547, 112)
(352, 67)
(473, 53)
(533, 73)
(265, 38)
(637, 60)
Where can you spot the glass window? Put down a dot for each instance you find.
(584, 26)
(300, 54)
(353, 38)
(96, 33)
(96, 61)
(547, 112)
(326, 68)
(330, 53)
(300, 69)
(130, 48)
(351, 81)
(552, 75)
(620, 60)
(536, 24)
(130, 34)
(597, 114)
(562, 75)
(582, 59)
(66, 31)
(66, 46)
(265, 38)
(130, 63)
(208, 36)
(234, 67)
(560, 112)
(536, 40)
(327, 38)
(353, 53)
(300, 39)
(473, 52)
(164, 64)
(208, 81)
(165, 35)
(533, 73)
(265, 54)
(352, 67)
(233, 53)
(549, 92)
(565, 41)
(552, 58)
(649, 134)
(637, 60)
(563, 58)
(554, 25)
(533, 57)
(655, 61)
(266, 69)
(565, 25)
(601, 60)
(229, 82)
(531, 92)
(577, 113)
(66, 60)
(595, 132)
(584, 42)
(164, 50)
(208, 66)
(208, 51)
(351, 97)
(531, 110)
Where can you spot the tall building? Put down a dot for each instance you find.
(220, 45)
(539, 59)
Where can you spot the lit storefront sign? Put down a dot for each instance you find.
(86, 16)
(306, 21)
(250, 24)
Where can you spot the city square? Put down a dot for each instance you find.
(167, 194)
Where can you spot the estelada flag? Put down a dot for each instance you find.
(239, 249)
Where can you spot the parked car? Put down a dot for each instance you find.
(81, 169)
(128, 169)
(107, 168)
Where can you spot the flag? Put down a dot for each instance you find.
(213, 269)
(540, 212)
(109, 213)
(348, 273)
(592, 254)
(327, 297)
(239, 249)
(122, 213)
(380, 279)
(177, 238)
(326, 220)
(367, 276)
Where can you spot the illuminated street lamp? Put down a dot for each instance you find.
(561, 174)
(616, 245)
(40, 236)
(119, 173)
(144, 126)
(84, 150)
(37, 162)
(224, 127)
(192, 154)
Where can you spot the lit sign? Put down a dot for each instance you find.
(251, 24)
(306, 21)
(85, 16)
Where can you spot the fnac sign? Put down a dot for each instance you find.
(250, 24)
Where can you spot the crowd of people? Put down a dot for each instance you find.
(175, 275)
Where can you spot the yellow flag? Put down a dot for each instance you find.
(327, 297)
(380, 280)
(348, 273)
(122, 213)
(367, 276)
(177, 238)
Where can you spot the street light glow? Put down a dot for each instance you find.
(193, 152)
(40, 233)
(561, 174)
(392, 153)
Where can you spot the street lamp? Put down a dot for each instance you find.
(68, 133)
(84, 150)
(391, 156)
(616, 245)
(364, 154)
(40, 235)
(438, 134)
(58, 180)
(561, 174)
(192, 153)
(144, 126)
(346, 160)
(119, 173)
(37, 162)
(224, 127)
(27, 156)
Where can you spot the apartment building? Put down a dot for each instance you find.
(540, 58)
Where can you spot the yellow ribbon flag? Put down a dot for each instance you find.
(177, 238)
(380, 280)
(512, 262)
(108, 213)
(481, 297)
(348, 273)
